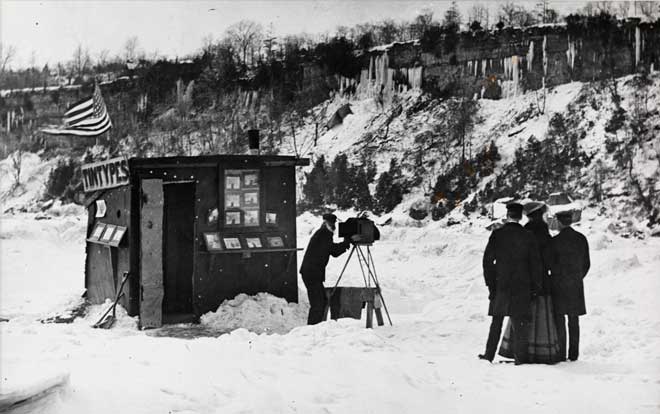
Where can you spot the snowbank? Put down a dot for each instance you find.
(32, 181)
(263, 313)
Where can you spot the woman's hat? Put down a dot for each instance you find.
(534, 206)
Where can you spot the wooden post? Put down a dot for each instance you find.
(370, 314)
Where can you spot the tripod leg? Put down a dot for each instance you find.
(372, 265)
(342, 272)
(365, 276)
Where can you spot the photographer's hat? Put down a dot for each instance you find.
(330, 217)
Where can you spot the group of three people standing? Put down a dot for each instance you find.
(535, 280)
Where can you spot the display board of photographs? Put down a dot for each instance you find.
(242, 198)
(215, 242)
(108, 234)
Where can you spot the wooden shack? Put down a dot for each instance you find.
(191, 232)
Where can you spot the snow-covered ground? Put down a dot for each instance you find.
(426, 362)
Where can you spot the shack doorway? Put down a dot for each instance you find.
(178, 251)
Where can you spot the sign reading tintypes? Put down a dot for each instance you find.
(105, 174)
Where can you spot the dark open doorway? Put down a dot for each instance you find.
(178, 245)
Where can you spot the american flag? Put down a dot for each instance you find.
(87, 118)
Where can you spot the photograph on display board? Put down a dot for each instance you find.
(97, 232)
(233, 218)
(271, 218)
(233, 182)
(232, 200)
(251, 179)
(275, 241)
(251, 198)
(253, 242)
(251, 217)
(107, 234)
(212, 241)
(119, 233)
(232, 243)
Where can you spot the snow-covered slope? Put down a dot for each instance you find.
(413, 130)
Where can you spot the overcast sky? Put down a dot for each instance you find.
(51, 30)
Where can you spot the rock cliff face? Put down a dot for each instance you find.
(508, 62)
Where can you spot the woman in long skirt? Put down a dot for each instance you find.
(543, 340)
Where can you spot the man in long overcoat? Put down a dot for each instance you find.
(318, 252)
(512, 271)
(569, 265)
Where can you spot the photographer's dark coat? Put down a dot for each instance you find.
(318, 252)
(569, 264)
(512, 271)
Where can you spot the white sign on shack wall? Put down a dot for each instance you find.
(105, 174)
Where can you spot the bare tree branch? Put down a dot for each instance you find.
(7, 55)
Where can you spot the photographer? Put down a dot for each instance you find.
(316, 258)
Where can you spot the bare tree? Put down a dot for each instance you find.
(343, 31)
(649, 9)
(422, 22)
(479, 13)
(589, 9)
(130, 48)
(507, 13)
(81, 61)
(7, 55)
(605, 7)
(207, 43)
(452, 16)
(102, 58)
(623, 8)
(245, 36)
(388, 31)
(512, 14)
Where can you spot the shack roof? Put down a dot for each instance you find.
(213, 160)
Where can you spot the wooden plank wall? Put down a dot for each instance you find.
(223, 276)
(104, 266)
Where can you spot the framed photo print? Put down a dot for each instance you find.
(107, 234)
(251, 179)
(232, 243)
(232, 200)
(233, 182)
(233, 218)
(271, 218)
(253, 242)
(275, 241)
(251, 198)
(213, 243)
(251, 217)
(119, 234)
(97, 232)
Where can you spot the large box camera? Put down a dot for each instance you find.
(361, 226)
